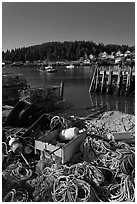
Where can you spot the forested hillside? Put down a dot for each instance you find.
(61, 51)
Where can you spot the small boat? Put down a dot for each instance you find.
(48, 69)
(71, 66)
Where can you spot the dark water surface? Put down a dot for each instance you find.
(76, 85)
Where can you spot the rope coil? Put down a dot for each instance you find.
(67, 189)
(17, 172)
(56, 120)
(125, 191)
(20, 195)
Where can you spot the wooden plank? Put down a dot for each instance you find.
(102, 82)
(93, 78)
(61, 89)
(118, 82)
(108, 89)
(96, 83)
(128, 83)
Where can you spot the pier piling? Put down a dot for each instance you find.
(92, 81)
(61, 89)
(113, 80)
(118, 85)
(102, 81)
(96, 83)
(108, 88)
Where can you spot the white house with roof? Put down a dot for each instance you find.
(112, 56)
(119, 54)
(127, 53)
(103, 55)
(87, 61)
(91, 56)
(118, 57)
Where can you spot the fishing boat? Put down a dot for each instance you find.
(71, 66)
(51, 69)
(47, 69)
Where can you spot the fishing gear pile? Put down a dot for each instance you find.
(101, 170)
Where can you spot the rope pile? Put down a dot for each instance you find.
(67, 184)
(92, 148)
(5, 151)
(51, 174)
(127, 165)
(125, 191)
(64, 189)
(87, 171)
(43, 183)
(67, 189)
(16, 172)
(59, 121)
(42, 189)
(75, 183)
(100, 152)
(20, 195)
(106, 172)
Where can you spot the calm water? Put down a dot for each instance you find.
(77, 82)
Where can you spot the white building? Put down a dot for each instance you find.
(127, 53)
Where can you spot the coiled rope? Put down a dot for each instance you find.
(78, 170)
(66, 189)
(57, 121)
(4, 148)
(10, 195)
(125, 191)
(84, 190)
(17, 172)
(20, 195)
(67, 183)
(4, 151)
(51, 174)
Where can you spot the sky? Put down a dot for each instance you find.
(32, 23)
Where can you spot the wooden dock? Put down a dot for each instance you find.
(113, 80)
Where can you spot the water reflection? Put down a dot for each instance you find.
(118, 103)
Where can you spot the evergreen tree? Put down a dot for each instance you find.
(67, 50)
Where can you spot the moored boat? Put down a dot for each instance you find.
(50, 70)
(71, 66)
(47, 68)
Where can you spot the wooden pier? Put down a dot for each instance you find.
(113, 80)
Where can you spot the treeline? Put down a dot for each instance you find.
(61, 51)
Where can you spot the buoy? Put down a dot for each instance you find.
(69, 134)
(15, 145)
